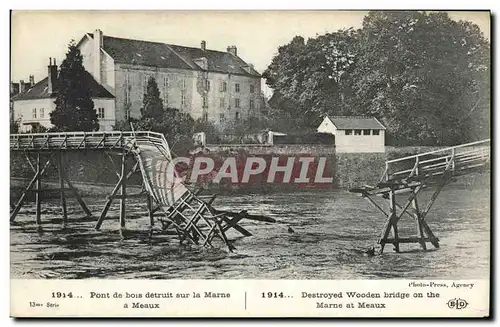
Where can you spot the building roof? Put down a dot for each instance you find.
(356, 122)
(40, 90)
(155, 54)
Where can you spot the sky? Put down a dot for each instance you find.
(38, 35)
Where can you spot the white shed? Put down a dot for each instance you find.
(355, 133)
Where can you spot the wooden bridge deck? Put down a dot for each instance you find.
(84, 141)
(409, 175)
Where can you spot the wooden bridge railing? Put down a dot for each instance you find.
(83, 140)
(457, 159)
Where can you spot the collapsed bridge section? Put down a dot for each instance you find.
(175, 205)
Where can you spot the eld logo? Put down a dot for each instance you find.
(457, 304)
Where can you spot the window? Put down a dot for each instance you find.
(205, 116)
(236, 103)
(127, 95)
(34, 113)
(127, 114)
(357, 132)
(42, 113)
(366, 132)
(128, 87)
(237, 116)
(207, 85)
(145, 82)
(183, 98)
(252, 88)
(348, 132)
(252, 104)
(222, 118)
(165, 91)
(183, 83)
(237, 88)
(223, 86)
(375, 132)
(100, 113)
(222, 103)
(204, 101)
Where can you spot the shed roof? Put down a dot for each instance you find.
(356, 122)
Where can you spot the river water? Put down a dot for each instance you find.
(331, 231)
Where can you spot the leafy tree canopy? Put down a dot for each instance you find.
(423, 74)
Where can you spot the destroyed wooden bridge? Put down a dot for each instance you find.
(410, 175)
(172, 203)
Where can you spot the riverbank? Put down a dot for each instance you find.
(95, 173)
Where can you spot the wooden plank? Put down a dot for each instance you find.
(123, 191)
(420, 230)
(246, 215)
(77, 196)
(376, 205)
(29, 161)
(30, 185)
(150, 210)
(61, 186)
(388, 225)
(408, 240)
(38, 186)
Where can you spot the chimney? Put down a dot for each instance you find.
(232, 50)
(21, 86)
(32, 80)
(203, 45)
(96, 56)
(52, 74)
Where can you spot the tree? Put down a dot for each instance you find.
(178, 128)
(419, 72)
(309, 79)
(423, 74)
(14, 126)
(74, 106)
(152, 103)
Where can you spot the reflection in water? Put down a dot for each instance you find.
(331, 232)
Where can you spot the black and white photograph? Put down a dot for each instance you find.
(251, 145)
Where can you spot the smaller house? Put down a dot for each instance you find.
(355, 133)
(16, 88)
(33, 106)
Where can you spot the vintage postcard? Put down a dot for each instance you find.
(250, 164)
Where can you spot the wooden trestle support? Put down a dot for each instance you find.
(43, 160)
(411, 208)
(431, 170)
(193, 218)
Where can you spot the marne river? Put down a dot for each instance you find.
(332, 230)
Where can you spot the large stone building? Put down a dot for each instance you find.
(212, 85)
